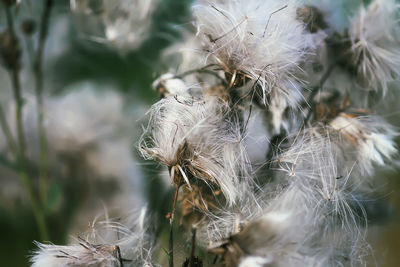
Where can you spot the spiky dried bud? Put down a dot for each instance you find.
(10, 50)
(28, 26)
(196, 202)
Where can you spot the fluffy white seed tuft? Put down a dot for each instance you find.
(107, 243)
(374, 35)
(370, 136)
(197, 139)
(261, 40)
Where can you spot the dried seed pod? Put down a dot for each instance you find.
(196, 202)
(10, 50)
(28, 26)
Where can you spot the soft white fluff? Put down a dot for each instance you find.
(329, 193)
(282, 230)
(226, 221)
(304, 218)
(374, 35)
(168, 85)
(107, 243)
(313, 161)
(260, 39)
(196, 138)
(370, 138)
(253, 261)
(82, 117)
(83, 254)
(125, 23)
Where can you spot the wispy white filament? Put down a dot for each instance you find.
(374, 34)
(371, 138)
(108, 243)
(198, 138)
(260, 39)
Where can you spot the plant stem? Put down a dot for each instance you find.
(316, 89)
(14, 75)
(38, 74)
(191, 261)
(7, 133)
(171, 226)
(36, 207)
(21, 155)
(201, 70)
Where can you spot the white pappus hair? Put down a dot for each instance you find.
(108, 243)
(374, 34)
(283, 231)
(370, 137)
(259, 39)
(83, 254)
(197, 138)
(329, 193)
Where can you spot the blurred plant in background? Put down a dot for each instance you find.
(264, 118)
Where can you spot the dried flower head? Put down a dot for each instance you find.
(371, 139)
(258, 40)
(108, 243)
(375, 44)
(197, 139)
(83, 254)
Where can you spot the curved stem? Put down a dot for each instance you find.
(38, 71)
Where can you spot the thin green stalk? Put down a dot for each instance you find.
(7, 133)
(171, 227)
(21, 157)
(38, 71)
(36, 207)
(14, 75)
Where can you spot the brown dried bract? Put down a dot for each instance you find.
(195, 202)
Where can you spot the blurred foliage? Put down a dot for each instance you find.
(130, 73)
